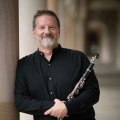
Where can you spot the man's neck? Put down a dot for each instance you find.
(47, 52)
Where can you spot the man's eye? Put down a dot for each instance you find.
(52, 28)
(41, 28)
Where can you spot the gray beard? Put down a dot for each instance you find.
(47, 42)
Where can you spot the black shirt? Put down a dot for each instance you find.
(39, 82)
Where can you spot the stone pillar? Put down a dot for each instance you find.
(80, 43)
(105, 47)
(75, 13)
(52, 5)
(8, 57)
(27, 44)
(118, 44)
(69, 20)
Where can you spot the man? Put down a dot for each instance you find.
(45, 78)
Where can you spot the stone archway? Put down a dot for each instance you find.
(99, 29)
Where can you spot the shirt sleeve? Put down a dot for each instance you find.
(88, 95)
(24, 101)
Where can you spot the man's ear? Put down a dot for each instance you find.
(34, 33)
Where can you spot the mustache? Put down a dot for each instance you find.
(47, 36)
(43, 37)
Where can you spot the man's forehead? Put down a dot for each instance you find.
(46, 19)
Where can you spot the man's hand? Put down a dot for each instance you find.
(59, 109)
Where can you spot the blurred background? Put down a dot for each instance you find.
(91, 26)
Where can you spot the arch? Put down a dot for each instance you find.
(100, 29)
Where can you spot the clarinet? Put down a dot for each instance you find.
(82, 80)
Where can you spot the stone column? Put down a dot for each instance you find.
(52, 5)
(118, 44)
(80, 31)
(74, 24)
(8, 57)
(69, 23)
(105, 47)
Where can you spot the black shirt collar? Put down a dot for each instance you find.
(55, 50)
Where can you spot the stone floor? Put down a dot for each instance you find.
(108, 107)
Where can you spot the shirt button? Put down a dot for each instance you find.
(50, 78)
(51, 93)
(49, 64)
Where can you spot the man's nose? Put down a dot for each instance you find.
(46, 30)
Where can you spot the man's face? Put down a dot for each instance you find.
(46, 31)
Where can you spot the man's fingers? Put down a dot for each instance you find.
(56, 100)
(48, 112)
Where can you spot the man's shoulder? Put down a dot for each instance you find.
(72, 51)
(27, 58)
